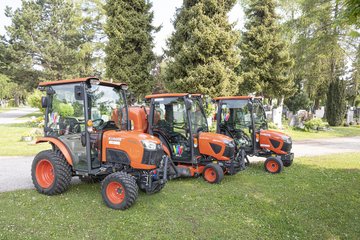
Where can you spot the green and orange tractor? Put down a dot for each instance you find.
(179, 121)
(243, 118)
(86, 142)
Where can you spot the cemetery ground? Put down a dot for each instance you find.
(315, 198)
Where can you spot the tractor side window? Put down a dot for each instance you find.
(259, 116)
(107, 104)
(198, 118)
(66, 114)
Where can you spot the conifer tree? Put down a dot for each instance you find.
(202, 50)
(266, 63)
(129, 56)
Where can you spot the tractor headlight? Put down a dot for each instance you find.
(229, 143)
(286, 139)
(149, 145)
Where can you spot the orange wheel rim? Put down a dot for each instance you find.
(272, 166)
(115, 192)
(45, 173)
(210, 175)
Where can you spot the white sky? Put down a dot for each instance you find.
(164, 11)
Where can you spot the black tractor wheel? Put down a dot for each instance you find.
(91, 179)
(119, 190)
(287, 163)
(51, 173)
(213, 173)
(273, 165)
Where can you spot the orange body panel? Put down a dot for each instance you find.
(198, 169)
(264, 141)
(129, 142)
(139, 119)
(59, 144)
(205, 138)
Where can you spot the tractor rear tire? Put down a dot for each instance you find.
(51, 173)
(273, 165)
(119, 190)
(213, 173)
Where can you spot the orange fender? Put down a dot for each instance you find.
(59, 144)
(166, 150)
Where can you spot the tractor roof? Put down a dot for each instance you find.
(76, 80)
(235, 98)
(162, 95)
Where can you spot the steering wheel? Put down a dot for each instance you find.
(99, 122)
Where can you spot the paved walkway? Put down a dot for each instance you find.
(16, 171)
(11, 116)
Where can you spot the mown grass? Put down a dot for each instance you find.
(316, 198)
(11, 144)
(333, 132)
(30, 115)
(5, 109)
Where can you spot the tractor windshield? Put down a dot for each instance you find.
(235, 114)
(197, 116)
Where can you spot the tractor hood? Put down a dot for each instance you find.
(275, 141)
(216, 145)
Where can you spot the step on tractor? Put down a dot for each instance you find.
(243, 118)
(86, 142)
(179, 121)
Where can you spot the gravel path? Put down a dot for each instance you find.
(16, 171)
(12, 115)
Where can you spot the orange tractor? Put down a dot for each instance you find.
(179, 121)
(86, 142)
(243, 118)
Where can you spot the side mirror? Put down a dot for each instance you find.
(79, 93)
(44, 102)
(188, 104)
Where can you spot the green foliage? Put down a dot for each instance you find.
(52, 36)
(298, 101)
(272, 125)
(129, 51)
(266, 62)
(352, 12)
(202, 50)
(65, 110)
(336, 104)
(34, 100)
(315, 124)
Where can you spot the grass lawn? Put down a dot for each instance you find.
(34, 114)
(5, 109)
(316, 198)
(11, 144)
(334, 132)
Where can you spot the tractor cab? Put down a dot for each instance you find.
(243, 118)
(179, 121)
(87, 124)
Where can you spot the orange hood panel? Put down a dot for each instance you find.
(213, 144)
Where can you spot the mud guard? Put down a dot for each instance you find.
(60, 145)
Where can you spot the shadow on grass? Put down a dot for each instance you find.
(305, 201)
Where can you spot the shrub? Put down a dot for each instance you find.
(314, 124)
(65, 110)
(34, 100)
(272, 125)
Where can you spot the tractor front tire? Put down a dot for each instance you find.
(51, 173)
(273, 165)
(119, 190)
(213, 173)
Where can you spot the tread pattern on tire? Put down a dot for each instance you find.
(63, 172)
(131, 189)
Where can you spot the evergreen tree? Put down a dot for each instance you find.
(335, 102)
(266, 63)
(48, 40)
(129, 56)
(202, 50)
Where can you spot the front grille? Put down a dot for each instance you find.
(229, 152)
(152, 157)
(117, 156)
(286, 147)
